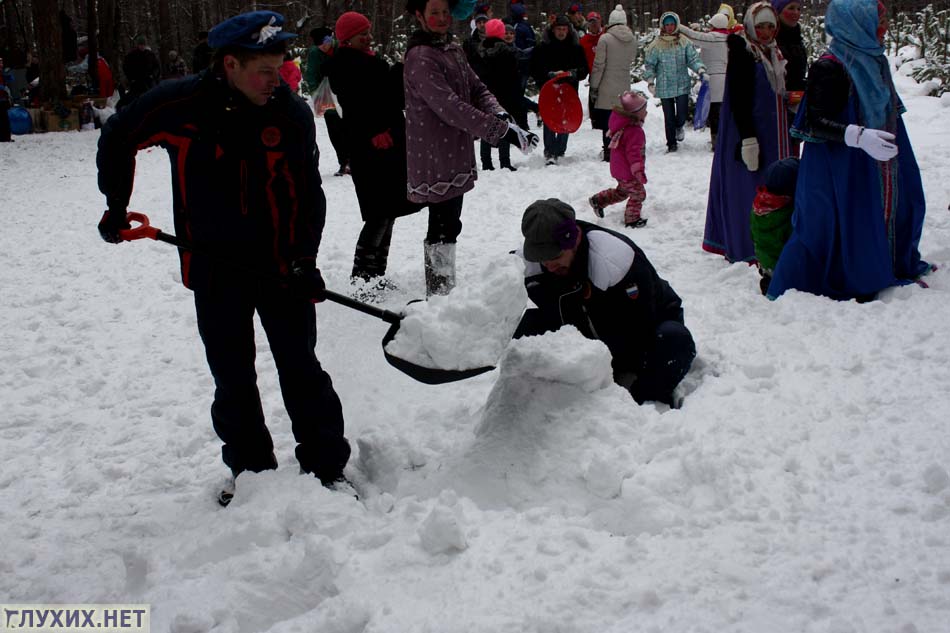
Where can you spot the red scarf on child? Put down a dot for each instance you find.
(765, 201)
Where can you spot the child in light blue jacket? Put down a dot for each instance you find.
(668, 58)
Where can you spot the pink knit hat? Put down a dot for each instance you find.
(495, 28)
(632, 104)
(349, 24)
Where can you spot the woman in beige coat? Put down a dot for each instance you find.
(610, 75)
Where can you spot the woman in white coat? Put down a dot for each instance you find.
(715, 54)
(610, 74)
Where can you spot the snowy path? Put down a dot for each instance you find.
(803, 486)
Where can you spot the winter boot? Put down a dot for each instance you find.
(509, 167)
(635, 224)
(227, 493)
(598, 210)
(439, 268)
(487, 166)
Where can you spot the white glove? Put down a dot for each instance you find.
(526, 141)
(750, 153)
(877, 143)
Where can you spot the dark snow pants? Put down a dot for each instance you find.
(5, 136)
(666, 358)
(665, 363)
(337, 135)
(445, 221)
(372, 248)
(674, 116)
(225, 311)
(554, 144)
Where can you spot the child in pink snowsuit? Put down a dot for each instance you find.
(627, 159)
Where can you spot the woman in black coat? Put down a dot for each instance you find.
(372, 100)
(496, 64)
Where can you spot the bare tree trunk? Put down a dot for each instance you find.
(49, 40)
(164, 35)
(92, 43)
(108, 41)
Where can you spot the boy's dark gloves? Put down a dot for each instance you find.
(111, 223)
(306, 280)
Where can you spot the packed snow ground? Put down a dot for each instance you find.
(803, 486)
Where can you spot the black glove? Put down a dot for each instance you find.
(112, 222)
(306, 280)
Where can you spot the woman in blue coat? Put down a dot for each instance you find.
(859, 207)
(753, 133)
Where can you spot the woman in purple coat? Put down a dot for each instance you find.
(447, 107)
(753, 133)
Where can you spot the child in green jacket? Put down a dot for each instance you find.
(771, 219)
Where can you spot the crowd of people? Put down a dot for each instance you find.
(247, 185)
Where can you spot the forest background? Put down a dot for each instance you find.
(108, 27)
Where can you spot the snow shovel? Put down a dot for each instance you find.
(429, 375)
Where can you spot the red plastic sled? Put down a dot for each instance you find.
(559, 106)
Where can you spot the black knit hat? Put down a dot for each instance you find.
(782, 176)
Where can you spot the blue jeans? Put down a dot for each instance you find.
(674, 116)
(554, 144)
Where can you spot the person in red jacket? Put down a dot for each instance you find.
(290, 72)
(591, 37)
(245, 188)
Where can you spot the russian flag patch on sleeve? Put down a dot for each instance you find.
(633, 292)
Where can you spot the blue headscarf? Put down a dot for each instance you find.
(853, 26)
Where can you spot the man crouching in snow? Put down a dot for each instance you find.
(600, 282)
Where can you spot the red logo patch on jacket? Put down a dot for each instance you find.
(270, 136)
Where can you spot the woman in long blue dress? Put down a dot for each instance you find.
(753, 133)
(859, 203)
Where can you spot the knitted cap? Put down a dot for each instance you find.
(779, 5)
(631, 102)
(495, 28)
(781, 177)
(349, 24)
(548, 227)
(593, 15)
(617, 16)
(517, 10)
(562, 20)
(719, 21)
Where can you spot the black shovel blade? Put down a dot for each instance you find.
(427, 375)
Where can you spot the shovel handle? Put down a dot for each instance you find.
(145, 230)
(142, 231)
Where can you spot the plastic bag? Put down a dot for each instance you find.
(702, 107)
(323, 98)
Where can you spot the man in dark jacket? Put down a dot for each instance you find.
(559, 52)
(142, 71)
(246, 190)
(201, 55)
(600, 282)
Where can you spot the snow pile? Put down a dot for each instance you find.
(468, 328)
(802, 487)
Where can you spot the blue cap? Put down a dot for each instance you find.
(253, 30)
